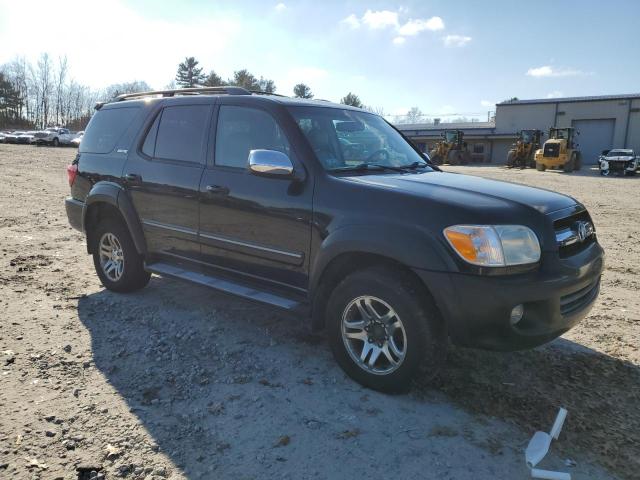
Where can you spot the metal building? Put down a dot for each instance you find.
(604, 122)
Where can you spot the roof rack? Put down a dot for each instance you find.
(185, 91)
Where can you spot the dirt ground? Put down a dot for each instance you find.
(177, 381)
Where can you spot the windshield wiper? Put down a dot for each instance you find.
(378, 166)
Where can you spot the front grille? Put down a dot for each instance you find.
(566, 225)
(578, 300)
(551, 150)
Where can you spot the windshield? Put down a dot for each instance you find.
(343, 139)
(451, 137)
(527, 137)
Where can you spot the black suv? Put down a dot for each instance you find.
(328, 211)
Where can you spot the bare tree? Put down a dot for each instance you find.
(61, 78)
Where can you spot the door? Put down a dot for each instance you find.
(163, 176)
(595, 136)
(254, 226)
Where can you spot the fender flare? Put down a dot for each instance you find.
(114, 195)
(410, 247)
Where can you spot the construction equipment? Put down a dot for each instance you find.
(559, 151)
(522, 153)
(452, 149)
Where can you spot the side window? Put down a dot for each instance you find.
(149, 145)
(181, 133)
(242, 129)
(105, 128)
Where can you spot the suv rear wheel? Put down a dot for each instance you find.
(382, 327)
(118, 264)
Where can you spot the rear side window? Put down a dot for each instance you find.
(105, 129)
(149, 145)
(181, 133)
(242, 129)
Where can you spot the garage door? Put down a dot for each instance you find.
(595, 136)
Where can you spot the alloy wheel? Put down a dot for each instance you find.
(111, 256)
(373, 335)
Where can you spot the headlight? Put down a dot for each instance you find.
(494, 245)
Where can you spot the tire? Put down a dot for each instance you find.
(568, 167)
(540, 167)
(605, 173)
(55, 142)
(510, 159)
(577, 164)
(112, 234)
(418, 336)
(436, 159)
(453, 157)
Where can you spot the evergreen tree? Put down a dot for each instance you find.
(189, 74)
(351, 99)
(302, 90)
(213, 80)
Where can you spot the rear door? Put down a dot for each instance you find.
(250, 225)
(162, 176)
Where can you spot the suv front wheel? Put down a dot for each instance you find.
(117, 262)
(382, 327)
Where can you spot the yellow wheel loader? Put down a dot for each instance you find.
(522, 153)
(452, 149)
(559, 151)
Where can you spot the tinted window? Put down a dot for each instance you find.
(181, 133)
(242, 129)
(105, 128)
(149, 146)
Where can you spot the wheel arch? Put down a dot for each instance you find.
(339, 257)
(109, 199)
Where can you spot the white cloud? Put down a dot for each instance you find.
(413, 27)
(380, 19)
(487, 103)
(352, 21)
(390, 19)
(555, 94)
(456, 40)
(307, 74)
(549, 71)
(280, 7)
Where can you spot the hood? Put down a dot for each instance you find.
(469, 190)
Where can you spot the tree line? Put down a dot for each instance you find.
(43, 94)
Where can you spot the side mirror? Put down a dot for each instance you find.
(270, 163)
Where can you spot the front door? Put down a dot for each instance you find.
(254, 226)
(163, 178)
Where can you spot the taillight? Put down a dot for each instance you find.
(72, 171)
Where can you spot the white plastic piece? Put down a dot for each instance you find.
(539, 447)
(549, 475)
(557, 425)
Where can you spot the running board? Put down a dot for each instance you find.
(225, 286)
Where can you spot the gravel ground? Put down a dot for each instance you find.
(177, 381)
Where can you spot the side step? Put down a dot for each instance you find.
(226, 286)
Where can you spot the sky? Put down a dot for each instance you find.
(446, 58)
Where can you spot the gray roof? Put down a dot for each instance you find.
(444, 126)
(597, 98)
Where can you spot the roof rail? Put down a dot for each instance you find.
(230, 90)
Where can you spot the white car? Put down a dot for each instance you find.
(53, 136)
(619, 160)
(75, 141)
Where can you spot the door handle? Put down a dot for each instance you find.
(133, 177)
(217, 190)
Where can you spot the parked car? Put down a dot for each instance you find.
(25, 137)
(622, 161)
(259, 198)
(53, 136)
(12, 137)
(75, 141)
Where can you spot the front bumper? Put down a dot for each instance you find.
(618, 165)
(74, 210)
(555, 297)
